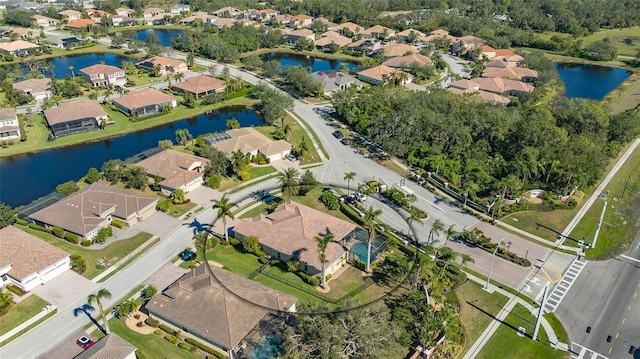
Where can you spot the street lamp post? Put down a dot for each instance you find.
(486, 287)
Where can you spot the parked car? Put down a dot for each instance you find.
(291, 157)
(338, 134)
(84, 342)
(346, 141)
(187, 255)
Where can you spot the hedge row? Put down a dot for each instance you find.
(168, 329)
(308, 279)
(171, 339)
(117, 223)
(205, 348)
(39, 228)
(152, 322)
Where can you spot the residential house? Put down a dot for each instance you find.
(405, 62)
(221, 22)
(28, 261)
(165, 64)
(280, 20)
(81, 24)
(465, 44)
(300, 21)
(9, 124)
(23, 33)
(328, 24)
(228, 11)
(40, 89)
(366, 46)
(103, 75)
(381, 75)
(153, 15)
(251, 142)
(331, 38)
(63, 40)
(409, 35)
(18, 47)
(218, 307)
(395, 49)
(377, 32)
(289, 231)
(482, 52)
(180, 9)
(439, 35)
(110, 346)
(70, 15)
(124, 12)
(502, 86)
(348, 29)
(75, 117)
(200, 86)
(464, 87)
(291, 37)
(119, 20)
(514, 73)
(178, 170)
(505, 62)
(198, 15)
(44, 21)
(145, 102)
(332, 81)
(92, 208)
(504, 52)
(266, 16)
(97, 15)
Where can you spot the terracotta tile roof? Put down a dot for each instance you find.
(70, 111)
(500, 85)
(160, 61)
(7, 113)
(470, 39)
(153, 10)
(504, 52)
(17, 46)
(33, 85)
(218, 305)
(377, 72)
(462, 87)
(247, 140)
(143, 98)
(99, 69)
(110, 346)
(406, 61)
(325, 21)
(514, 73)
(301, 33)
(85, 210)
(492, 97)
(333, 39)
(393, 50)
(26, 253)
(69, 13)
(355, 28)
(81, 23)
(268, 12)
(378, 29)
(199, 84)
(176, 168)
(291, 229)
(301, 17)
(464, 84)
(439, 32)
(505, 61)
(407, 32)
(97, 12)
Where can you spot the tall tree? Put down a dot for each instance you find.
(288, 180)
(349, 176)
(436, 228)
(97, 298)
(369, 222)
(323, 242)
(183, 136)
(7, 216)
(450, 233)
(224, 206)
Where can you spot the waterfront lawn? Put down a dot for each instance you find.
(95, 49)
(21, 312)
(629, 97)
(296, 137)
(151, 345)
(626, 40)
(38, 134)
(477, 310)
(505, 342)
(113, 252)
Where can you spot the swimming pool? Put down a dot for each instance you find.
(269, 348)
(360, 250)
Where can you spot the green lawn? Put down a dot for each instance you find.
(313, 53)
(21, 312)
(627, 40)
(178, 210)
(296, 137)
(237, 262)
(505, 342)
(558, 328)
(254, 172)
(477, 309)
(152, 345)
(558, 220)
(621, 216)
(113, 252)
(629, 96)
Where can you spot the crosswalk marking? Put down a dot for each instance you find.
(580, 352)
(561, 289)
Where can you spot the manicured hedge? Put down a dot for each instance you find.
(308, 279)
(117, 223)
(85, 243)
(39, 228)
(58, 232)
(19, 292)
(205, 348)
(171, 339)
(167, 329)
(71, 238)
(22, 222)
(152, 322)
(158, 332)
(185, 346)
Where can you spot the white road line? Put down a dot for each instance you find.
(630, 258)
(583, 351)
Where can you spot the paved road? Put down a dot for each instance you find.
(605, 297)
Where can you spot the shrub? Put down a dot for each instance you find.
(234, 241)
(204, 348)
(359, 265)
(117, 223)
(263, 260)
(71, 238)
(171, 339)
(139, 355)
(164, 206)
(152, 322)
(213, 182)
(158, 332)
(39, 228)
(308, 279)
(85, 243)
(58, 232)
(22, 222)
(245, 176)
(12, 288)
(185, 346)
(213, 241)
(168, 329)
(260, 253)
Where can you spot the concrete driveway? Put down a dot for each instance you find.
(159, 224)
(64, 289)
(66, 348)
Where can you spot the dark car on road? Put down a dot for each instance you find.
(84, 342)
(187, 255)
(346, 141)
(338, 134)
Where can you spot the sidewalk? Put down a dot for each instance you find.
(121, 262)
(47, 309)
(490, 330)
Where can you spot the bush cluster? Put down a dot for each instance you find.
(171, 339)
(359, 264)
(117, 223)
(185, 346)
(22, 222)
(204, 348)
(39, 228)
(85, 243)
(157, 332)
(168, 329)
(152, 322)
(71, 238)
(308, 278)
(17, 291)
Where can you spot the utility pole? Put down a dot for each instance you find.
(540, 311)
(486, 287)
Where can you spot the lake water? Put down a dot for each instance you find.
(24, 178)
(165, 36)
(590, 81)
(315, 64)
(60, 65)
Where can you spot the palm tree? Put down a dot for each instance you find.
(288, 180)
(466, 259)
(369, 222)
(183, 135)
(449, 233)
(168, 79)
(102, 123)
(436, 228)
(303, 148)
(177, 196)
(125, 308)
(349, 176)
(414, 217)
(286, 129)
(233, 124)
(447, 255)
(108, 92)
(97, 297)
(323, 242)
(179, 76)
(366, 190)
(224, 210)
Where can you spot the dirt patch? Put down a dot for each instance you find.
(132, 323)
